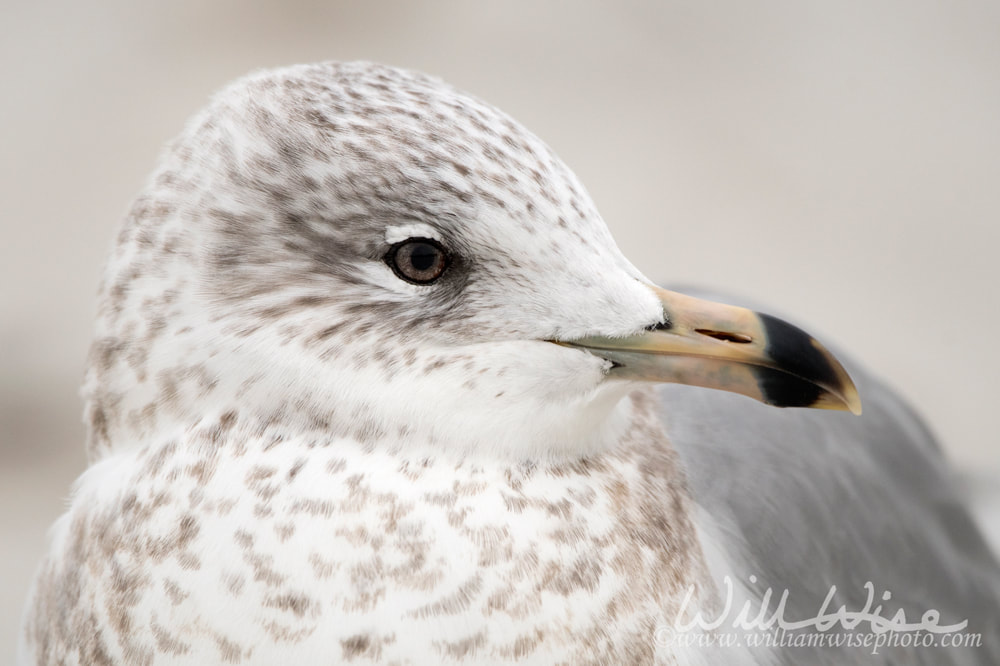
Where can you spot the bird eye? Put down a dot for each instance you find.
(418, 260)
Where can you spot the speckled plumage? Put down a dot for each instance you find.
(228, 546)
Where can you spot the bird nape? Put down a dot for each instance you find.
(372, 383)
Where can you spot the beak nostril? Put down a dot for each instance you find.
(724, 336)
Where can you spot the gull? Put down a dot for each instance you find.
(372, 383)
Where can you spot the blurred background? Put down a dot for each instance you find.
(839, 162)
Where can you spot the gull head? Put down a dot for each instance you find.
(354, 252)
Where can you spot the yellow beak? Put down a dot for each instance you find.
(708, 344)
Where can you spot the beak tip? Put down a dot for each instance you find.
(853, 401)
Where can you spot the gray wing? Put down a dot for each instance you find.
(813, 498)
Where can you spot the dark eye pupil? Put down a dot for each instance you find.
(418, 260)
(424, 256)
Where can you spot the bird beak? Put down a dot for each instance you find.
(718, 346)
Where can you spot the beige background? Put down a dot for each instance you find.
(839, 161)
